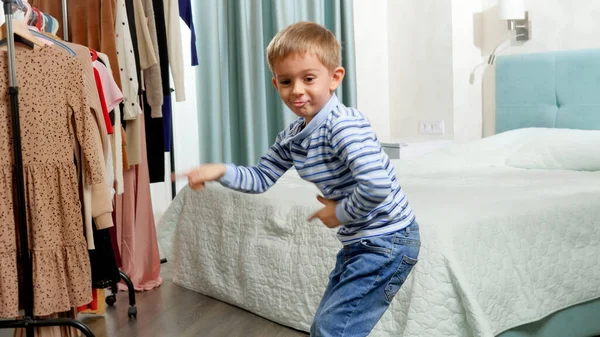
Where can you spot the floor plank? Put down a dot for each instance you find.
(171, 310)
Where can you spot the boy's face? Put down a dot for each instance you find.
(305, 84)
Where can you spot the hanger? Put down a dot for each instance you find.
(93, 54)
(44, 22)
(28, 11)
(55, 26)
(52, 39)
(39, 18)
(18, 11)
(22, 34)
(49, 23)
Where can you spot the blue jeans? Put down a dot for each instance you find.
(367, 276)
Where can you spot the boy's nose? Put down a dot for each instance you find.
(298, 89)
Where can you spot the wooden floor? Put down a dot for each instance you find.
(173, 311)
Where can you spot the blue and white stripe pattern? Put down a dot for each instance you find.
(339, 152)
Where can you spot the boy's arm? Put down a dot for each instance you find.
(259, 178)
(354, 142)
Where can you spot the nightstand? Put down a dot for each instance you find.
(392, 149)
(406, 149)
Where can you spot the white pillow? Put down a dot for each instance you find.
(561, 149)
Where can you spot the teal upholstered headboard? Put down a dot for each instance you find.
(551, 89)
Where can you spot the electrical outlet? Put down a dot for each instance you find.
(431, 127)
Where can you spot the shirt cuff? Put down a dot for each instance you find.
(156, 111)
(180, 95)
(104, 221)
(341, 214)
(228, 179)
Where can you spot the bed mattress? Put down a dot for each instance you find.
(501, 247)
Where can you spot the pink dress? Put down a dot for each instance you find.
(136, 228)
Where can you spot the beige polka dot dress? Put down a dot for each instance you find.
(54, 116)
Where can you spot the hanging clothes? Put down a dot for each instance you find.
(173, 28)
(147, 54)
(103, 262)
(62, 276)
(85, 16)
(166, 123)
(117, 138)
(130, 8)
(115, 141)
(137, 236)
(133, 125)
(163, 46)
(96, 199)
(127, 66)
(109, 95)
(185, 12)
(82, 54)
(130, 40)
(156, 126)
(134, 145)
(175, 53)
(152, 75)
(133, 135)
(154, 147)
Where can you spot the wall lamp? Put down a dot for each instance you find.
(513, 11)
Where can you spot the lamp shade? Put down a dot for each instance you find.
(511, 9)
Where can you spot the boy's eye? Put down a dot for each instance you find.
(284, 82)
(309, 79)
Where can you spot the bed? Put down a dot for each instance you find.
(510, 224)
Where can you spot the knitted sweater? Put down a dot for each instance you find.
(339, 152)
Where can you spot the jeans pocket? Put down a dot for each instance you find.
(376, 245)
(397, 280)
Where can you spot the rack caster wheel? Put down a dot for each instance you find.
(110, 300)
(132, 312)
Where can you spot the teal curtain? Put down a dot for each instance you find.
(239, 111)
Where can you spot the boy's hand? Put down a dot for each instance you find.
(198, 176)
(327, 213)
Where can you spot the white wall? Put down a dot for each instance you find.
(420, 65)
(372, 69)
(404, 65)
(432, 48)
(466, 51)
(556, 25)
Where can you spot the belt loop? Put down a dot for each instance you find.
(407, 231)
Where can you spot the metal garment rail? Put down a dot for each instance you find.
(65, 17)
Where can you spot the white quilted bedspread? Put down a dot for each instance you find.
(501, 247)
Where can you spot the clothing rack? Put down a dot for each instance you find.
(65, 20)
(110, 299)
(172, 164)
(28, 321)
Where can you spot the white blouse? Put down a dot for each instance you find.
(127, 66)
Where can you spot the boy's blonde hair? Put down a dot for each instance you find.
(302, 37)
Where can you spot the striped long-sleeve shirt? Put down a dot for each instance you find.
(339, 152)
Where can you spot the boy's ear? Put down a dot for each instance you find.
(337, 76)
(274, 82)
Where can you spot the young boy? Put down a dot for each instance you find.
(334, 147)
